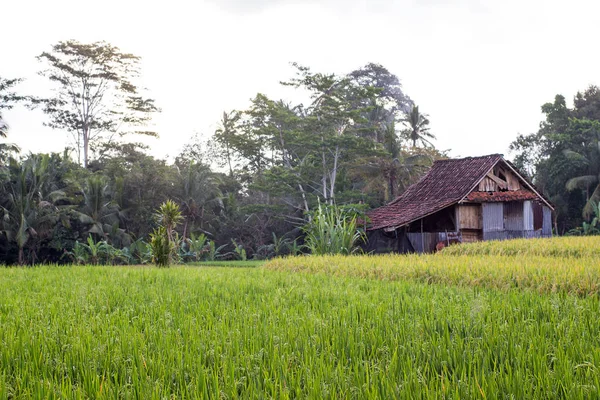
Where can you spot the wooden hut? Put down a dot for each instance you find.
(461, 200)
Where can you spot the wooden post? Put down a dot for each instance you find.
(422, 240)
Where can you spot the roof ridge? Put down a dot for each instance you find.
(495, 155)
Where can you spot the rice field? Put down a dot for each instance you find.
(542, 265)
(430, 327)
(566, 246)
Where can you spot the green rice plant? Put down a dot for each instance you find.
(331, 231)
(203, 333)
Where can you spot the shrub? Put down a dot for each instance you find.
(332, 231)
(161, 247)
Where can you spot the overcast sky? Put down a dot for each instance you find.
(480, 69)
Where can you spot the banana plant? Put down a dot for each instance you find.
(214, 252)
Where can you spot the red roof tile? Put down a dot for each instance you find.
(447, 182)
(516, 195)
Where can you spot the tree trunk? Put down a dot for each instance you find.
(21, 256)
(86, 143)
(333, 178)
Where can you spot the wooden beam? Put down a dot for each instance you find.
(502, 183)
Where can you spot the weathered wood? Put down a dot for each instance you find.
(487, 185)
(502, 184)
(471, 235)
(469, 216)
(513, 181)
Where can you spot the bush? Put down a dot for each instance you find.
(333, 231)
(161, 247)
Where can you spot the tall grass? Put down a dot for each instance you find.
(579, 276)
(196, 333)
(570, 246)
(332, 231)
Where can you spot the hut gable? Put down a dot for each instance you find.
(485, 179)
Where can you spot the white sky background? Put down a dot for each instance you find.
(480, 69)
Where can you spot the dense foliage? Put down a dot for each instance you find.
(563, 156)
(247, 192)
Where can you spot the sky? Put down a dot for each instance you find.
(480, 69)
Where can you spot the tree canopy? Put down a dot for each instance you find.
(247, 191)
(95, 94)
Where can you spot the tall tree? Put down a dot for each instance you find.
(417, 125)
(563, 157)
(334, 116)
(95, 93)
(225, 136)
(8, 98)
(587, 161)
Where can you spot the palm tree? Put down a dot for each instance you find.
(7, 101)
(224, 135)
(587, 159)
(589, 182)
(100, 212)
(417, 128)
(27, 210)
(395, 169)
(200, 188)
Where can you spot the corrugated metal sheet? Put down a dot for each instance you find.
(538, 216)
(495, 235)
(513, 216)
(547, 223)
(505, 235)
(493, 217)
(528, 215)
(532, 234)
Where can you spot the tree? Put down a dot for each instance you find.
(199, 190)
(28, 208)
(589, 160)
(163, 241)
(95, 94)
(334, 117)
(390, 98)
(417, 127)
(99, 213)
(395, 168)
(225, 136)
(563, 156)
(8, 98)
